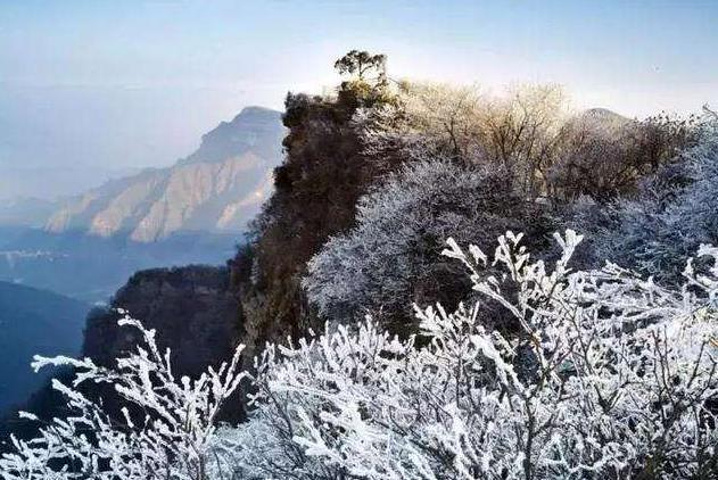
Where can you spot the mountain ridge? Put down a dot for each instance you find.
(218, 188)
(34, 321)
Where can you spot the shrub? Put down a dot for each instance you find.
(166, 429)
(675, 211)
(604, 155)
(391, 258)
(610, 377)
(621, 383)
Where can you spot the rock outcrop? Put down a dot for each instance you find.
(192, 308)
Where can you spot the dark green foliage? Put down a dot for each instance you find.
(358, 63)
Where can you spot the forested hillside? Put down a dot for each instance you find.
(377, 177)
(33, 322)
(426, 296)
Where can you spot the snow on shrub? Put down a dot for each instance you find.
(392, 257)
(165, 433)
(621, 384)
(611, 377)
(675, 212)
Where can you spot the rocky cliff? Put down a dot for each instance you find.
(192, 307)
(194, 310)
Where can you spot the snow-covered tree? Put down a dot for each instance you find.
(675, 211)
(604, 155)
(516, 132)
(427, 119)
(620, 384)
(165, 431)
(391, 258)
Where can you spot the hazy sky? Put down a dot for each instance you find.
(119, 83)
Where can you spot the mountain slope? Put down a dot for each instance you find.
(216, 189)
(33, 322)
(193, 307)
(602, 120)
(195, 313)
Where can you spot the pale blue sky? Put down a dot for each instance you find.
(134, 83)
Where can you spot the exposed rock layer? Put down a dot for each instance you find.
(217, 189)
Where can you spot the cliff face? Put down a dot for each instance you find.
(217, 189)
(192, 307)
(316, 189)
(193, 311)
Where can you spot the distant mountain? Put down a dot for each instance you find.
(604, 114)
(216, 189)
(601, 120)
(192, 213)
(33, 322)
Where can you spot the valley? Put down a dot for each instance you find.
(195, 212)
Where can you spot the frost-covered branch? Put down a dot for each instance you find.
(164, 431)
(606, 376)
(611, 376)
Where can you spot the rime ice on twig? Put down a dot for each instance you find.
(611, 375)
(170, 440)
